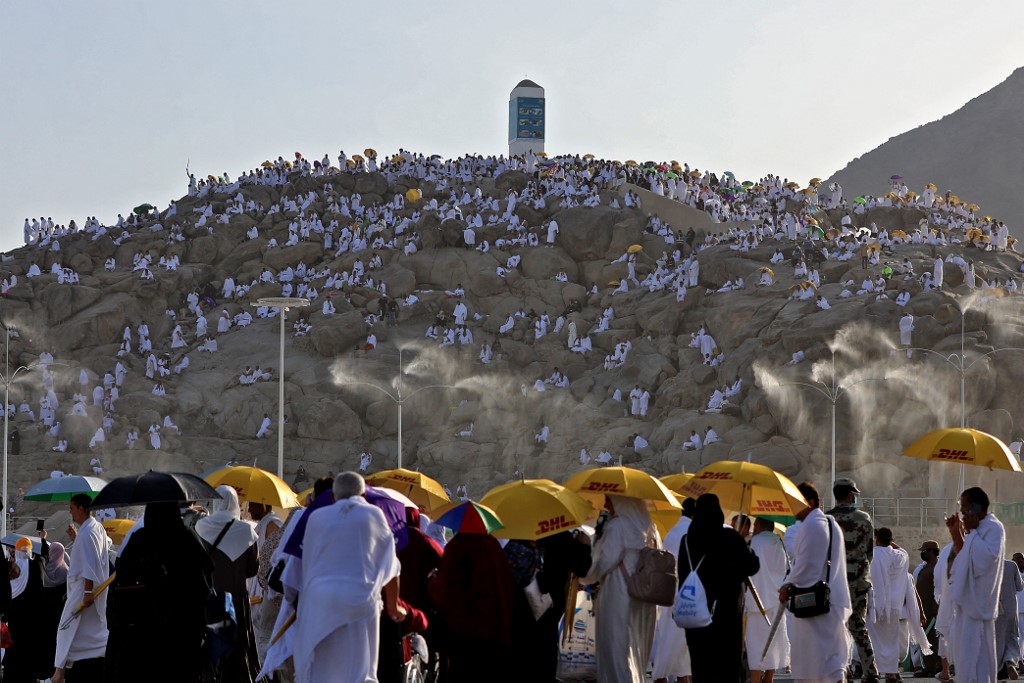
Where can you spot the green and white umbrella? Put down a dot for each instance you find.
(65, 488)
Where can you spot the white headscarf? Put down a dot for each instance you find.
(240, 535)
(633, 512)
(18, 585)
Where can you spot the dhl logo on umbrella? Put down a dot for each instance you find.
(715, 475)
(949, 454)
(554, 524)
(762, 507)
(403, 477)
(603, 487)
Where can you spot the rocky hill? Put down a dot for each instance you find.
(974, 153)
(480, 426)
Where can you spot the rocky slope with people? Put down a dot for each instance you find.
(477, 423)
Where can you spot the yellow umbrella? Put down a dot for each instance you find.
(964, 446)
(370, 152)
(748, 488)
(350, 163)
(357, 157)
(931, 186)
(255, 485)
(974, 233)
(535, 508)
(303, 495)
(266, 164)
(631, 162)
(634, 248)
(675, 482)
(588, 156)
(117, 529)
(595, 484)
(421, 489)
(792, 185)
(815, 182)
(899, 233)
(413, 195)
(542, 155)
(766, 269)
(973, 207)
(695, 174)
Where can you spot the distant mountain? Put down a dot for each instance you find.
(977, 152)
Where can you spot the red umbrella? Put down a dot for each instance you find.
(661, 167)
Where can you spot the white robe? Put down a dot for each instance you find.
(86, 637)
(625, 627)
(974, 584)
(670, 657)
(769, 578)
(824, 641)
(894, 613)
(340, 585)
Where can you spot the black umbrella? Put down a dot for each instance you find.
(153, 487)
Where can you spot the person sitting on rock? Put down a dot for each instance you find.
(710, 435)
(693, 443)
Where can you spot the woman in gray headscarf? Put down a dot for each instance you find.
(55, 587)
(625, 627)
(235, 560)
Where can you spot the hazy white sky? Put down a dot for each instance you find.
(105, 101)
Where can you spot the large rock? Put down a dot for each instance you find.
(339, 334)
(329, 420)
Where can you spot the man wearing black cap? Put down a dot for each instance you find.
(859, 535)
(929, 607)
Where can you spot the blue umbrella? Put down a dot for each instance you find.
(65, 488)
(12, 540)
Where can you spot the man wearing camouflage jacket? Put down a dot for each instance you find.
(858, 531)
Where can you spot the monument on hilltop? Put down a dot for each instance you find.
(526, 114)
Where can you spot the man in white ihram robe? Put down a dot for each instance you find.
(974, 582)
(771, 553)
(348, 564)
(824, 641)
(895, 615)
(86, 636)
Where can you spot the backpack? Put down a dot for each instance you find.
(221, 617)
(690, 609)
(654, 578)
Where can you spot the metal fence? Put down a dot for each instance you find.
(920, 513)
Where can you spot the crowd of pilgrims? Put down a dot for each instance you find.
(472, 606)
(778, 212)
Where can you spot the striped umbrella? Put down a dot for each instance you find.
(469, 518)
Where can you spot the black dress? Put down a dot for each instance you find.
(156, 609)
(716, 651)
(25, 661)
(241, 665)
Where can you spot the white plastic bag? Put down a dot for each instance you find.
(691, 606)
(577, 650)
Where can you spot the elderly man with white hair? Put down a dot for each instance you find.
(347, 569)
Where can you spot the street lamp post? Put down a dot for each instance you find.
(283, 303)
(8, 378)
(398, 398)
(832, 391)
